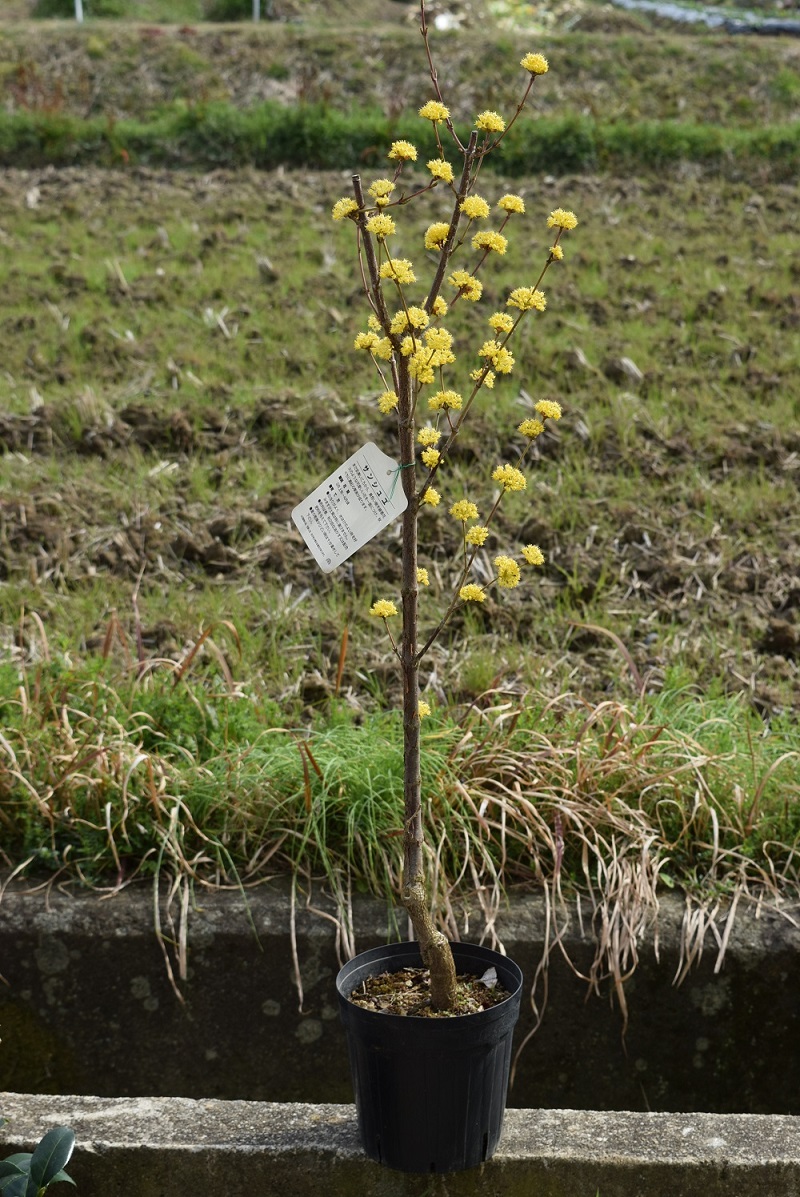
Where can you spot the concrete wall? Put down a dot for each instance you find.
(171, 1147)
(87, 1008)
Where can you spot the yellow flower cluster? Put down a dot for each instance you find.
(384, 608)
(381, 226)
(476, 534)
(422, 577)
(533, 554)
(557, 253)
(445, 401)
(431, 457)
(434, 111)
(509, 477)
(466, 284)
(344, 207)
(423, 709)
(561, 219)
(416, 317)
(527, 298)
(380, 191)
(537, 64)
(403, 151)
(441, 170)
(490, 122)
(501, 359)
(531, 429)
(387, 402)
(486, 379)
(471, 593)
(501, 322)
(429, 436)
(549, 409)
(436, 235)
(432, 497)
(512, 203)
(494, 242)
(400, 269)
(475, 207)
(508, 572)
(464, 510)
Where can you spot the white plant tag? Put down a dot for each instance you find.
(351, 506)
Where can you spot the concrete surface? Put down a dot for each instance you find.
(173, 1147)
(87, 1007)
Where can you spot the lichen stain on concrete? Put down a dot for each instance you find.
(140, 988)
(52, 956)
(712, 999)
(309, 1030)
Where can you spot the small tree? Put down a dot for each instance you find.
(413, 354)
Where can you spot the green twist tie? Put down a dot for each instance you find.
(407, 466)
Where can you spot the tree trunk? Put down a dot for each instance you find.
(435, 948)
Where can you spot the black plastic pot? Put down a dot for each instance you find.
(430, 1092)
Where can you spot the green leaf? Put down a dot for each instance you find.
(20, 1161)
(9, 1168)
(14, 1186)
(50, 1157)
(62, 1175)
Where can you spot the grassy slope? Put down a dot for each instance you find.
(178, 365)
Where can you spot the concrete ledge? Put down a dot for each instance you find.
(177, 1147)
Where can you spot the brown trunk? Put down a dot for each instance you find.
(436, 953)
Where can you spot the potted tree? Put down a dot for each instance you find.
(430, 1073)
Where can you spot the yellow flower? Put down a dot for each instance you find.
(432, 497)
(374, 323)
(439, 341)
(420, 366)
(399, 323)
(531, 429)
(495, 242)
(533, 554)
(549, 409)
(537, 64)
(403, 151)
(384, 608)
(431, 457)
(561, 219)
(343, 207)
(407, 346)
(384, 349)
(441, 169)
(509, 477)
(512, 203)
(464, 510)
(429, 436)
(445, 401)
(471, 593)
(366, 340)
(434, 111)
(439, 306)
(491, 122)
(399, 269)
(423, 709)
(466, 284)
(503, 361)
(436, 235)
(387, 402)
(381, 226)
(487, 378)
(526, 298)
(501, 322)
(476, 534)
(381, 189)
(508, 572)
(557, 253)
(475, 207)
(488, 349)
(422, 577)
